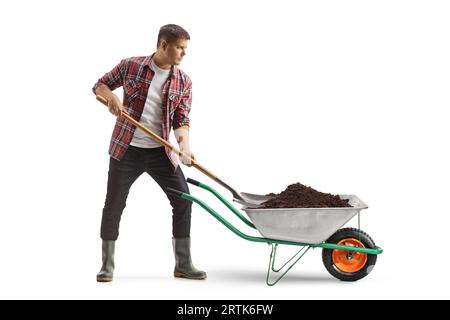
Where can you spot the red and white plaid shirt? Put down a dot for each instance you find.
(135, 75)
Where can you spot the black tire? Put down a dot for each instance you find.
(349, 233)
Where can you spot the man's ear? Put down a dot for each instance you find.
(164, 45)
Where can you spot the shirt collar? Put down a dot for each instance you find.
(147, 62)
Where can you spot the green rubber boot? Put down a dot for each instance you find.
(183, 262)
(106, 273)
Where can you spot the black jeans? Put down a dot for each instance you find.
(122, 174)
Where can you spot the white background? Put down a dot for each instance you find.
(344, 96)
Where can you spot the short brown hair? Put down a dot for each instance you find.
(172, 32)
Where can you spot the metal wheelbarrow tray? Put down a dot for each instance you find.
(349, 254)
(308, 225)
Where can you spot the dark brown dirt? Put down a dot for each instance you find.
(299, 196)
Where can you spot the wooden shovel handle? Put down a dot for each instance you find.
(158, 138)
(140, 126)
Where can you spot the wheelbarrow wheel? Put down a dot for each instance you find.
(347, 265)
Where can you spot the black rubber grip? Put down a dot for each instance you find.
(192, 181)
(174, 192)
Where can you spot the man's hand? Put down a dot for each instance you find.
(114, 105)
(186, 158)
(112, 101)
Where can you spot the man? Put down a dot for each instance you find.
(158, 95)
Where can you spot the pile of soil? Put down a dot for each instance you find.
(299, 196)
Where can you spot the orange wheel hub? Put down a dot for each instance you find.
(347, 261)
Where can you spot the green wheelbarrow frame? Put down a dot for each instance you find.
(273, 242)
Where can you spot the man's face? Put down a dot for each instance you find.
(176, 51)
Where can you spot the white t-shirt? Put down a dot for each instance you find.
(152, 114)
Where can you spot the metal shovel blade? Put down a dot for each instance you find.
(247, 199)
(251, 199)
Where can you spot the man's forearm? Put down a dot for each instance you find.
(182, 135)
(104, 91)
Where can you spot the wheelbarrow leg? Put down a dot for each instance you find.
(273, 253)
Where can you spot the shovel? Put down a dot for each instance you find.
(244, 198)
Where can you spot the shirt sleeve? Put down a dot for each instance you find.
(181, 115)
(114, 78)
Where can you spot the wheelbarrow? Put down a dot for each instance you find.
(348, 254)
